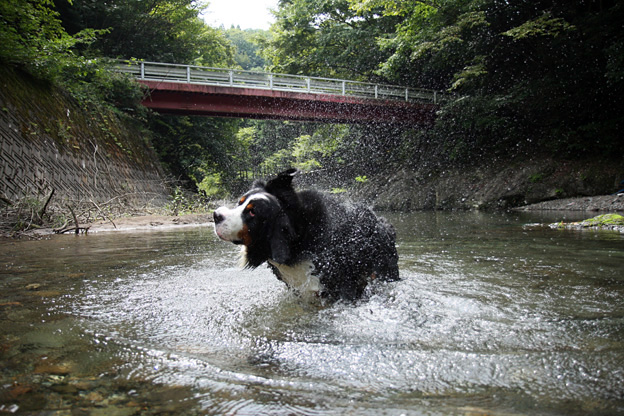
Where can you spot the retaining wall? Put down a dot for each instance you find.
(48, 142)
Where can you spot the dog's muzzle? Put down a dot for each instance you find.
(228, 224)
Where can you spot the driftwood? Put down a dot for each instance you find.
(103, 214)
(45, 205)
(66, 228)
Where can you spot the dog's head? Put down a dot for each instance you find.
(260, 221)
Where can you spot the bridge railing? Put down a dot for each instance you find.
(156, 71)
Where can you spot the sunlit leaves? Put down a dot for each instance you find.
(468, 74)
(157, 30)
(544, 25)
(31, 35)
(395, 7)
(307, 152)
(247, 44)
(327, 38)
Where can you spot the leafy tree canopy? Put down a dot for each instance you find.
(156, 30)
(538, 72)
(327, 38)
(32, 36)
(247, 47)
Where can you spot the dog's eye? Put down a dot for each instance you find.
(251, 210)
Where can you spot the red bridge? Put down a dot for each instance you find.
(218, 92)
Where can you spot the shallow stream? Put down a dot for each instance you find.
(492, 316)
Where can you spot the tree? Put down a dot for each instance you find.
(247, 49)
(197, 151)
(529, 73)
(157, 30)
(326, 38)
(192, 148)
(31, 35)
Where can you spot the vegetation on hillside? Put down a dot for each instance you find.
(533, 77)
(538, 76)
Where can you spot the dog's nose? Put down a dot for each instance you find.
(218, 218)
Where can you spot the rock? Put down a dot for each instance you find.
(46, 293)
(60, 369)
(18, 390)
(94, 396)
(614, 222)
(64, 388)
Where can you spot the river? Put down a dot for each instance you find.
(493, 315)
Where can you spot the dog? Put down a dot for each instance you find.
(317, 245)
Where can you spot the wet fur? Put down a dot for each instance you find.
(347, 243)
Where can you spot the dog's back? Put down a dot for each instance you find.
(357, 247)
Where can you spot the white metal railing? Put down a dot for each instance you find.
(156, 71)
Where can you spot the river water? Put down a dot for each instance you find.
(493, 315)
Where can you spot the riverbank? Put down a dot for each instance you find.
(150, 222)
(494, 185)
(121, 224)
(603, 203)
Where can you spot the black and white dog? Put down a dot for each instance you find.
(315, 244)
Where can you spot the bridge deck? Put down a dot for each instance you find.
(184, 89)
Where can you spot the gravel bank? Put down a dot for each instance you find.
(602, 203)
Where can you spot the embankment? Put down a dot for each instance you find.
(501, 185)
(48, 141)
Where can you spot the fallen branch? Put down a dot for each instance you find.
(75, 218)
(45, 206)
(77, 228)
(61, 228)
(103, 214)
(72, 229)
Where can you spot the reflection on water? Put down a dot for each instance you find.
(491, 317)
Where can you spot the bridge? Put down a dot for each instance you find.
(221, 92)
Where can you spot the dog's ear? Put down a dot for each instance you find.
(281, 187)
(281, 237)
(282, 182)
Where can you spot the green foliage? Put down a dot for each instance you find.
(544, 25)
(536, 177)
(326, 38)
(158, 30)
(247, 43)
(31, 35)
(192, 148)
(310, 151)
(604, 220)
(184, 202)
(211, 185)
(33, 38)
(528, 76)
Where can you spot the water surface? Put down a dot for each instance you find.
(492, 317)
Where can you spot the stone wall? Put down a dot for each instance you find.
(48, 142)
(495, 185)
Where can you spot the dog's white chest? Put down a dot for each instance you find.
(299, 277)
